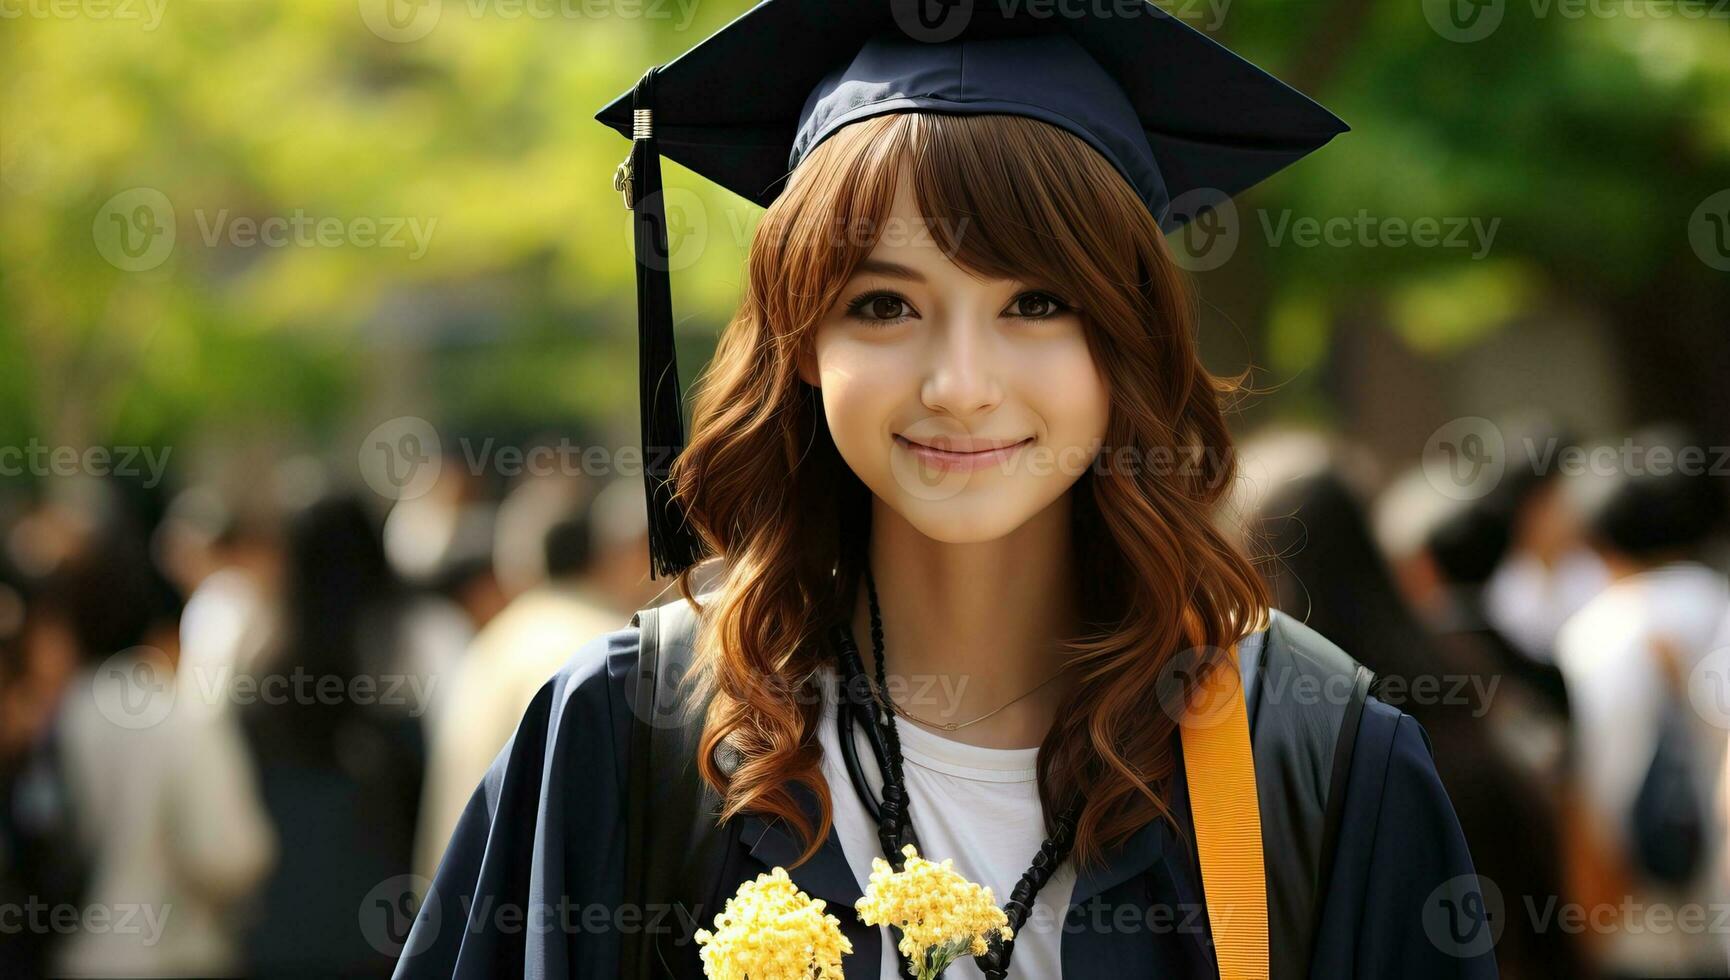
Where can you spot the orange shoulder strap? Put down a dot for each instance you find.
(1220, 771)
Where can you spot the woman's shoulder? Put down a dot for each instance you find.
(605, 665)
(596, 672)
(1291, 669)
(596, 689)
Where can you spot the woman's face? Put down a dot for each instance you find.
(966, 405)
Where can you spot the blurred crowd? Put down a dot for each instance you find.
(239, 722)
(245, 716)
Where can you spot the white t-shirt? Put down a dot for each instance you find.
(977, 805)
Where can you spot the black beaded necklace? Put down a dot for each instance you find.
(895, 828)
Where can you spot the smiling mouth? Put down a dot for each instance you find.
(961, 458)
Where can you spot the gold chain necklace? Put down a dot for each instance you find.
(950, 726)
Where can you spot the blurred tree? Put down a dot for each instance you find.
(287, 215)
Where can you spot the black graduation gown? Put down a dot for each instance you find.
(532, 878)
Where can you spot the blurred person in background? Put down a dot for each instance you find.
(1548, 572)
(140, 792)
(440, 545)
(336, 731)
(1443, 549)
(31, 679)
(544, 552)
(1649, 825)
(620, 530)
(225, 558)
(1302, 513)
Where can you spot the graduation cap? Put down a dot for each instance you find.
(1172, 110)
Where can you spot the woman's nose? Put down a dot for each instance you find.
(962, 375)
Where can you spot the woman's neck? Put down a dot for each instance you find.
(969, 627)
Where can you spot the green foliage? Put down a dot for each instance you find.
(506, 290)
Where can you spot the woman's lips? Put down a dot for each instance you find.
(960, 461)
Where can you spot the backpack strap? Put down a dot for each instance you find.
(1308, 701)
(675, 847)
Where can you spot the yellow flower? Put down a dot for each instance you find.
(941, 914)
(770, 930)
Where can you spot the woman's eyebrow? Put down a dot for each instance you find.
(891, 270)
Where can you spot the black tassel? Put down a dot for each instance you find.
(673, 544)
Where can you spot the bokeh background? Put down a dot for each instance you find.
(317, 366)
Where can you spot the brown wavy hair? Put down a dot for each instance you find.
(762, 481)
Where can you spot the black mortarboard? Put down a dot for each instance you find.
(1170, 108)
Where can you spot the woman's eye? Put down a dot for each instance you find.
(1037, 306)
(879, 308)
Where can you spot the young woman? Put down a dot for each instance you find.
(957, 452)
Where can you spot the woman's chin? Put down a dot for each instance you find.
(966, 518)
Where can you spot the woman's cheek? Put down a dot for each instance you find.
(858, 409)
(1072, 395)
